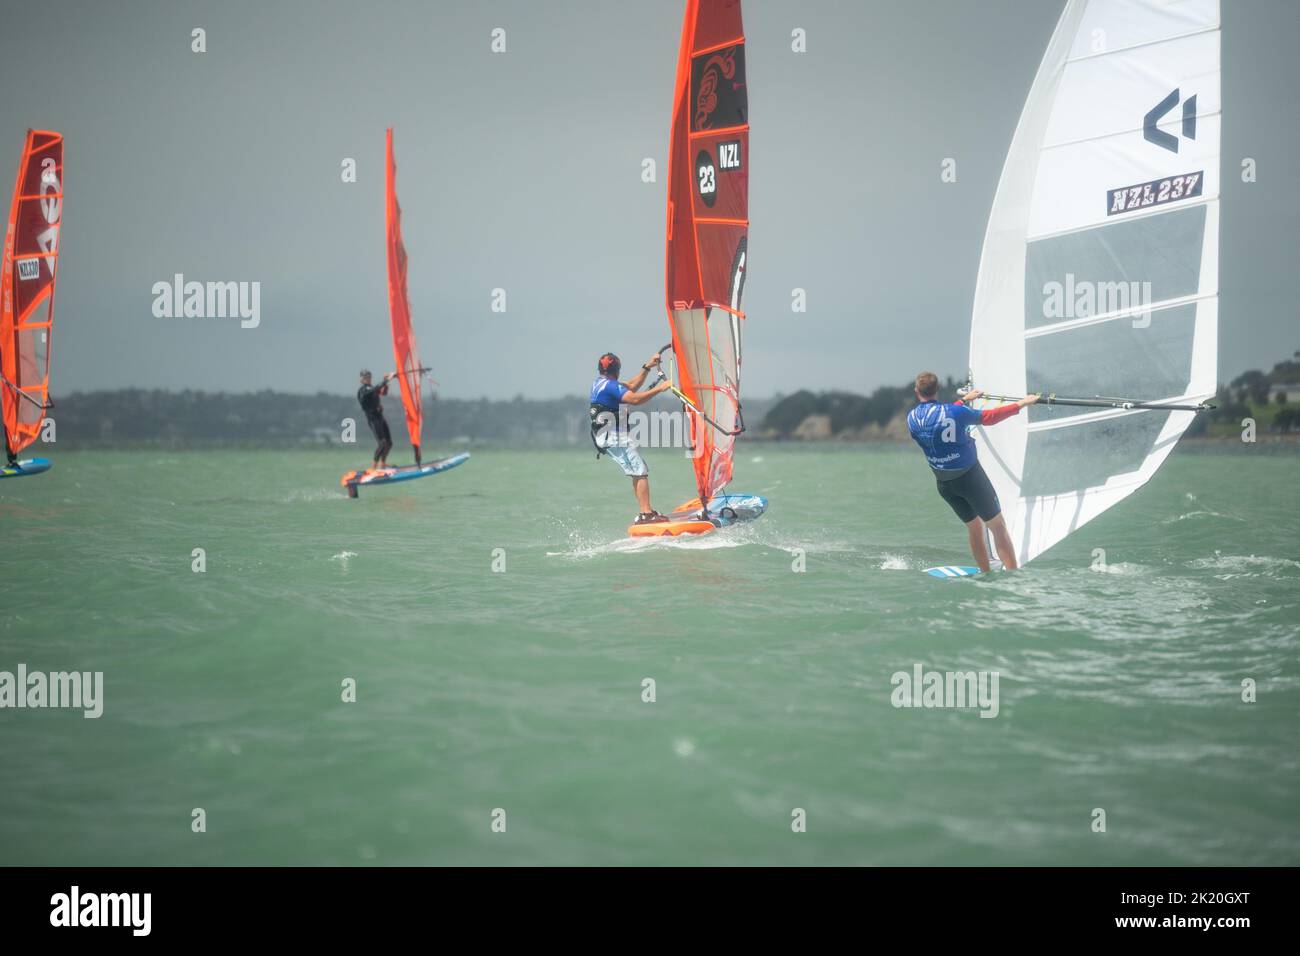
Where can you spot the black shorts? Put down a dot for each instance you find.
(971, 495)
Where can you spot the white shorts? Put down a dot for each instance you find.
(625, 454)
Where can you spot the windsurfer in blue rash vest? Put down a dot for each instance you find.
(368, 395)
(607, 393)
(942, 429)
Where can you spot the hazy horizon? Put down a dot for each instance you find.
(522, 171)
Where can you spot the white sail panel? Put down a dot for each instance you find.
(1095, 140)
(1099, 275)
(1123, 24)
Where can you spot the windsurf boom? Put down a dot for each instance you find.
(27, 279)
(708, 233)
(1128, 92)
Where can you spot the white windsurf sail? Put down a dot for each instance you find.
(1099, 276)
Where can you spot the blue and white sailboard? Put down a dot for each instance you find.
(25, 467)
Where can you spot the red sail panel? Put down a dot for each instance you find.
(31, 257)
(399, 308)
(708, 227)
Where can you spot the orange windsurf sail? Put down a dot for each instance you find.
(399, 308)
(31, 257)
(708, 227)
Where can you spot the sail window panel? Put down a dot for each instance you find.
(1164, 250)
(34, 299)
(721, 249)
(725, 375)
(1082, 455)
(33, 355)
(33, 370)
(691, 348)
(30, 415)
(1113, 359)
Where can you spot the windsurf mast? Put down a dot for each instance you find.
(1100, 264)
(27, 279)
(707, 236)
(407, 357)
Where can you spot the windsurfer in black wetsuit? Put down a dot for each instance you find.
(369, 396)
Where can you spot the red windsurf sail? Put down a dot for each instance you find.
(708, 226)
(399, 309)
(31, 257)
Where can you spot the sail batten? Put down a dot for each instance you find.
(1099, 274)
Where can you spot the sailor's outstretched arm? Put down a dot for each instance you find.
(636, 398)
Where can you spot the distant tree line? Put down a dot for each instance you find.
(132, 417)
(141, 417)
(1262, 396)
(847, 411)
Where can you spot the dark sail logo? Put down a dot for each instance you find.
(719, 83)
(1154, 134)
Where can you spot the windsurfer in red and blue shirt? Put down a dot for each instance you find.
(942, 429)
(607, 393)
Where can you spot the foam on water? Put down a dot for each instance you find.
(584, 545)
(1245, 565)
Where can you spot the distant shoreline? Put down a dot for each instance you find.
(138, 418)
(1202, 443)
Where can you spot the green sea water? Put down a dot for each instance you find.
(500, 630)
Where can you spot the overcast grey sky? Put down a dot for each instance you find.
(522, 171)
